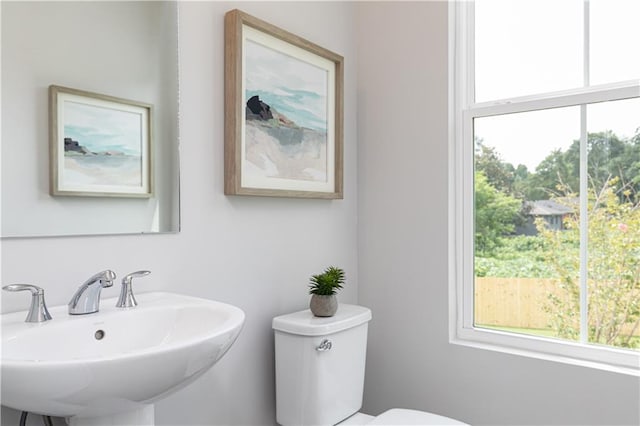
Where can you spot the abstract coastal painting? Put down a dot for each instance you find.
(283, 113)
(100, 145)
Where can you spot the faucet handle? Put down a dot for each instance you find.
(38, 311)
(126, 299)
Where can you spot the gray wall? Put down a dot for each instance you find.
(254, 252)
(402, 250)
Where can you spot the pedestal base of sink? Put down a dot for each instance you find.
(141, 417)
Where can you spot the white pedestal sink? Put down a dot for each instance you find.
(108, 368)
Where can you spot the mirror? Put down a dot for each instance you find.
(125, 50)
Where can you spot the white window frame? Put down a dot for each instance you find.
(462, 112)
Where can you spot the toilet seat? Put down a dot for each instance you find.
(400, 416)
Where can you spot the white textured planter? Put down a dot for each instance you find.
(323, 306)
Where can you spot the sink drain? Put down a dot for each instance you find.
(99, 334)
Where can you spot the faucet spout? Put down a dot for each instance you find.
(86, 299)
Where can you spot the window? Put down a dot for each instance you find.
(545, 160)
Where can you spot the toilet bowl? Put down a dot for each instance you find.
(320, 364)
(399, 417)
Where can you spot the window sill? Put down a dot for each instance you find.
(621, 361)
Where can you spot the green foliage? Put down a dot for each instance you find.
(496, 214)
(499, 174)
(328, 282)
(613, 277)
(609, 157)
(515, 257)
(554, 172)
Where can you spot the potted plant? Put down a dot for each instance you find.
(323, 288)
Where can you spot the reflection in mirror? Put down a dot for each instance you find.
(125, 50)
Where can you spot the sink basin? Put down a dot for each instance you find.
(116, 360)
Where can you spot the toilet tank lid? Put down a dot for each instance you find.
(306, 324)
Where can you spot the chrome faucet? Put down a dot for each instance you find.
(86, 300)
(38, 311)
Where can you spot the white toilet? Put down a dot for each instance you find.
(320, 372)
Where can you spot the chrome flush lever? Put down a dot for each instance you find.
(126, 299)
(38, 311)
(325, 345)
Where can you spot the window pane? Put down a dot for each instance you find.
(526, 248)
(614, 223)
(614, 40)
(528, 46)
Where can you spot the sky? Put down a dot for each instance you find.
(295, 88)
(537, 51)
(271, 70)
(102, 128)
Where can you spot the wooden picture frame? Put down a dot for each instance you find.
(100, 145)
(283, 113)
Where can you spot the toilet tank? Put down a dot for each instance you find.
(320, 365)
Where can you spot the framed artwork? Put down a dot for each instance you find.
(100, 146)
(283, 113)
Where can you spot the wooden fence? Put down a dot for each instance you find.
(515, 302)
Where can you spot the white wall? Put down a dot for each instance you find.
(402, 248)
(256, 253)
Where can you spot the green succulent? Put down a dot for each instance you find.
(328, 282)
